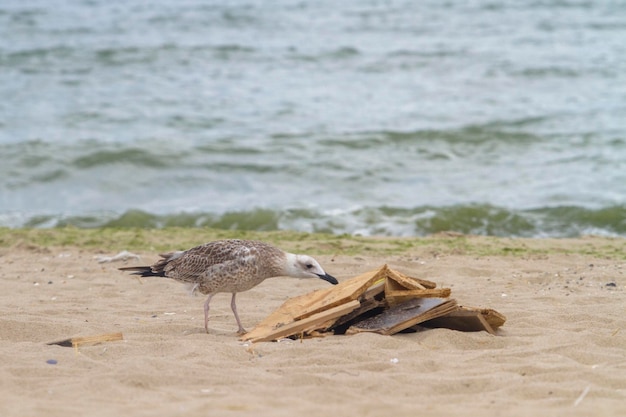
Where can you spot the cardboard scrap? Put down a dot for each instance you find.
(382, 301)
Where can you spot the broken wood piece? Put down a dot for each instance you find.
(301, 307)
(469, 319)
(409, 283)
(381, 301)
(395, 297)
(342, 323)
(88, 340)
(375, 290)
(405, 315)
(494, 318)
(464, 321)
(320, 300)
(310, 324)
(393, 285)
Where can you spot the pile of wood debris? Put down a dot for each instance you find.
(382, 301)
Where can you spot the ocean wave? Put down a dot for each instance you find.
(564, 221)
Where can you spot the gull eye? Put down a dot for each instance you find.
(309, 266)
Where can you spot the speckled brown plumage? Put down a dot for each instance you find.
(231, 266)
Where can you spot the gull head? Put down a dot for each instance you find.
(304, 266)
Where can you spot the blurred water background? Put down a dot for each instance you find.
(366, 117)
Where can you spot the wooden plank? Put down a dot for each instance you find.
(317, 301)
(492, 317)
(409, 300)
(374, 291)
(301, 307)
(396, 297)
(307, 325)
(392, 285)
(469, 319)
(405, 315)
(464, 321)
(371, 299)
(342, 323)
(88, 340)
(410, 283)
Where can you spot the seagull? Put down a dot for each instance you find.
(231, 265)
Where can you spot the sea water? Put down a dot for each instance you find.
(366, 117)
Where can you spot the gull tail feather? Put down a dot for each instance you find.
(143, 271)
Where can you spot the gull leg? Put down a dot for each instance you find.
(206, 312)
(233, 306)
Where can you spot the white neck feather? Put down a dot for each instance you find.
(291, 270)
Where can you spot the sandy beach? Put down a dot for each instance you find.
(562, 350)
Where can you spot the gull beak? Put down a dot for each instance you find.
(328, 278)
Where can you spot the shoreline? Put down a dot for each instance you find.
(561, 350)
(166, 239)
